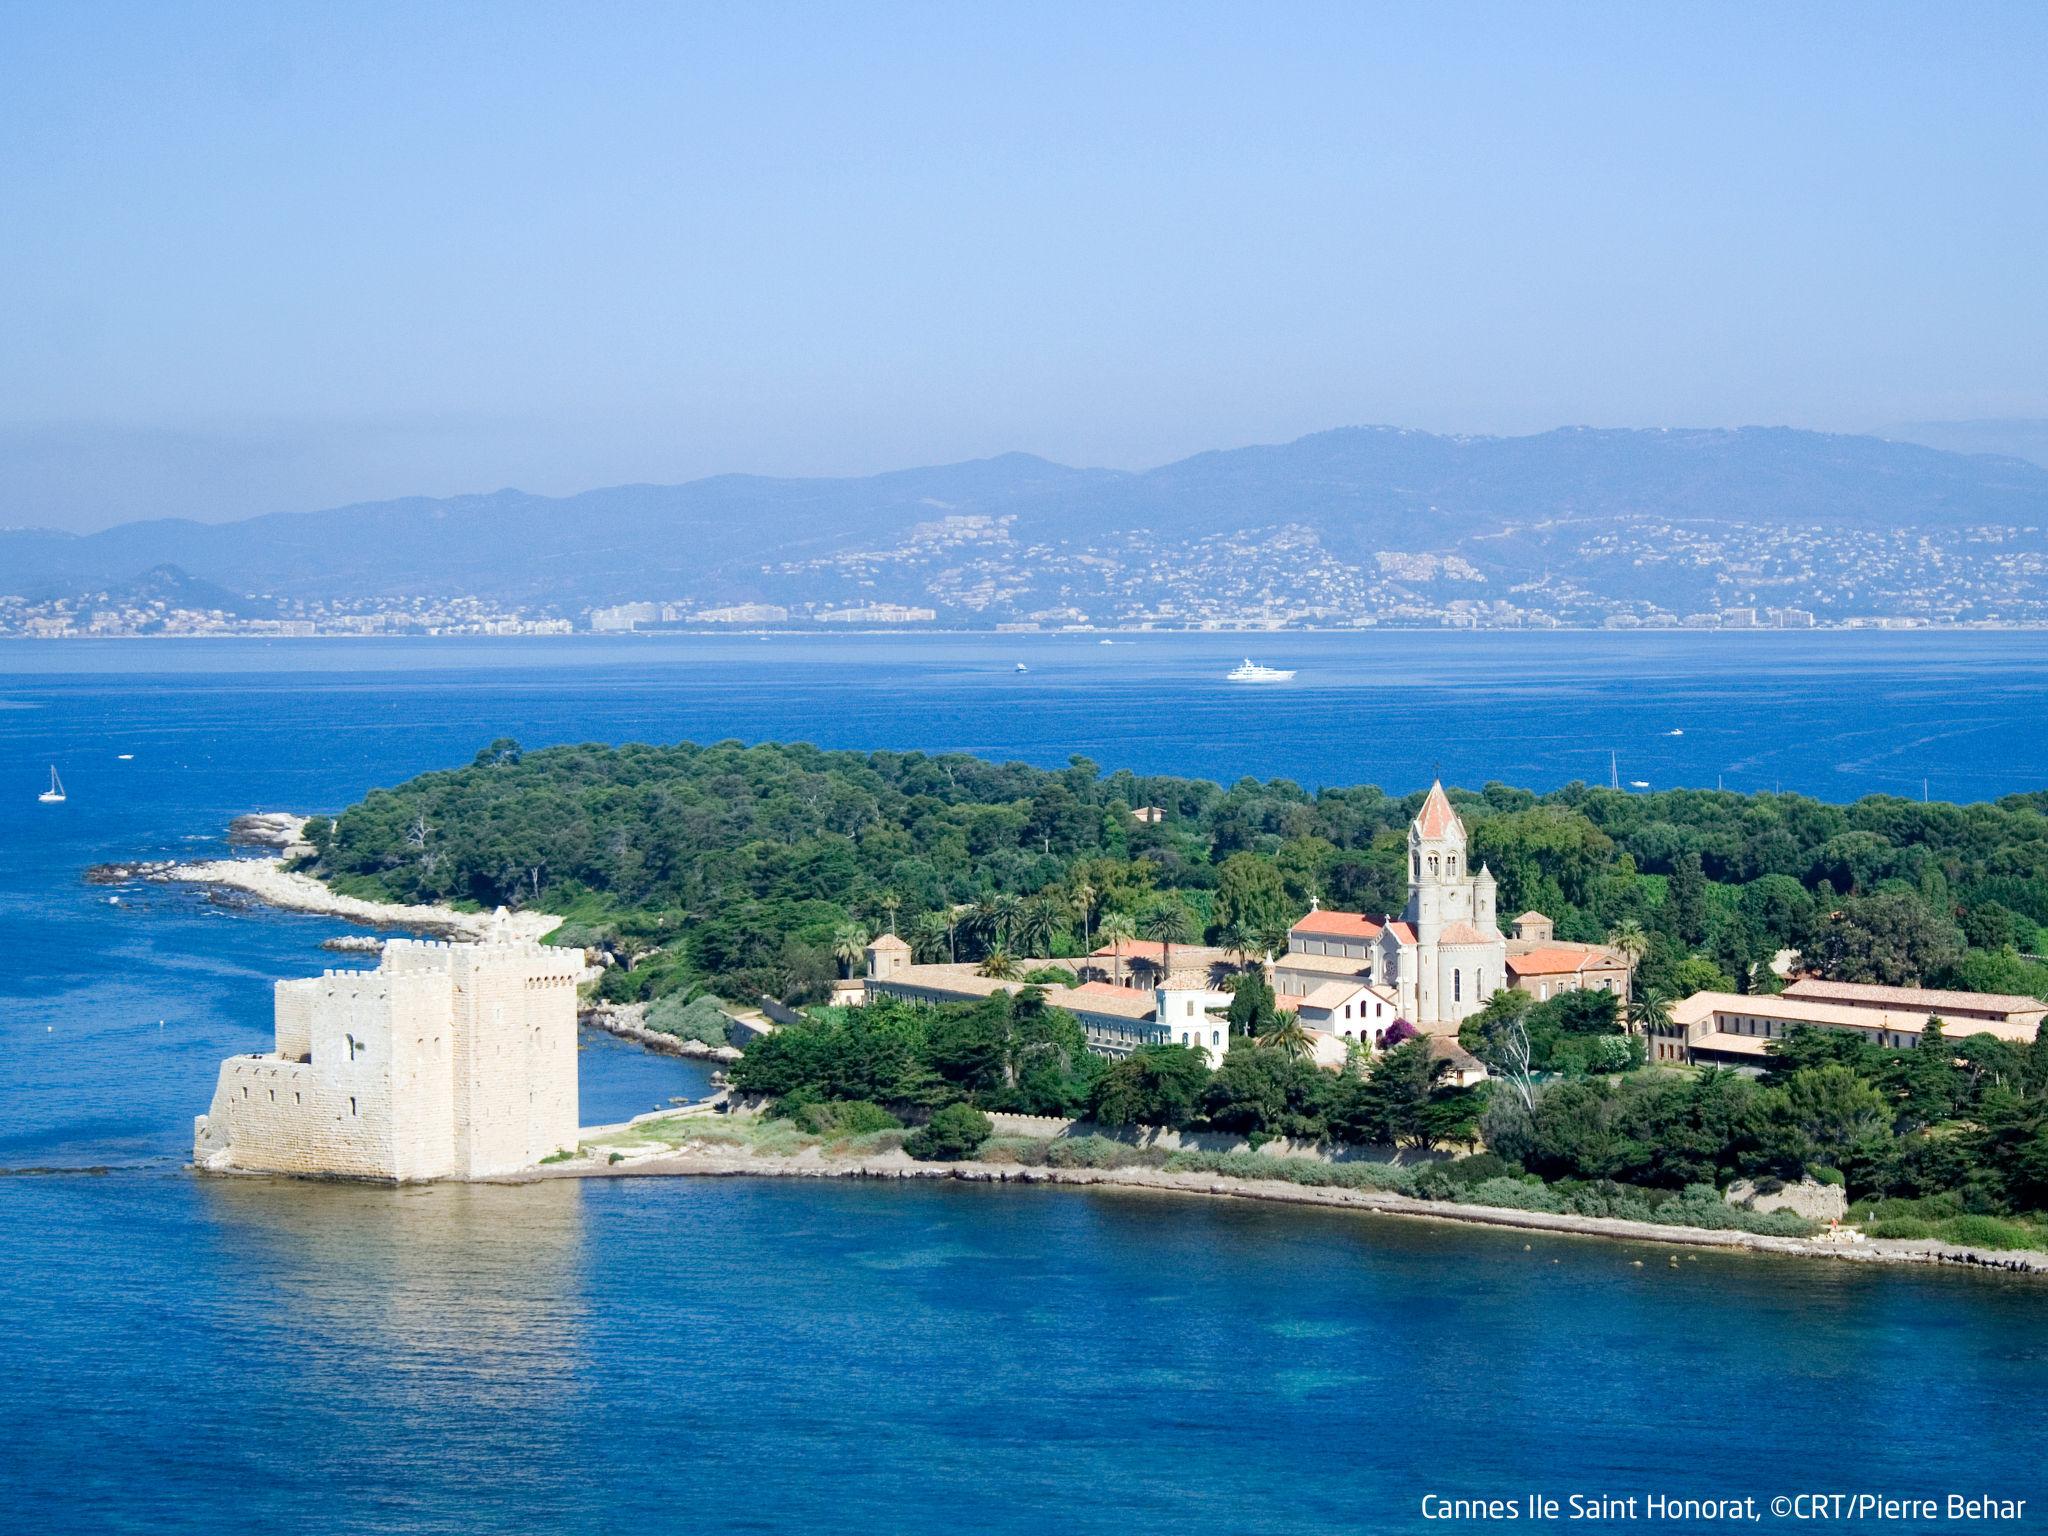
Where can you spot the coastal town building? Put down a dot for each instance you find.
(1734, 1030)
(446, 1061)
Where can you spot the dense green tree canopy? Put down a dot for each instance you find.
(737, 866)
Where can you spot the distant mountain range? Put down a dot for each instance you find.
(1357, 523)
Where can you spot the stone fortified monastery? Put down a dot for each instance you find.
(447, 1061)
(459, 1060)
(1348, 977)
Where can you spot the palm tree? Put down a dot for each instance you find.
(1009, 910)
(1287, 1033)
(1242, 944)
(930, 936)
(890, 903)
(849, 943)
(1170, 924)
(1083, 897)
(997, 965)
(1116, 929)
(985, 922)
(1650, 1014)
(1627, 936)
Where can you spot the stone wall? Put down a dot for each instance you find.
(1170, 1140)
(445, 1061)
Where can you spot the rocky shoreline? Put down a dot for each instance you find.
(623, 1020)
(896, 1166)
(266, 880)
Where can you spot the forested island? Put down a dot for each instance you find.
(740, 870)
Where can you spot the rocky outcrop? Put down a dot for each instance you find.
(267, 829)
(1809, 1198)
(625, 1021)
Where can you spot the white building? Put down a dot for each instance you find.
(447, 1061)
(625, 616)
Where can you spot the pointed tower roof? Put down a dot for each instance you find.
(1436, 818)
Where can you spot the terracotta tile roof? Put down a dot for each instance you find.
(1403, 932)
(888, 941)
(1154, 951)
(1532, 912)
(1337, 925)
(1436, 817)
(1333, 994)
(1914, 998)
(1465, 933)
(1323, 965)
(1287, 1004)
(1561, 962)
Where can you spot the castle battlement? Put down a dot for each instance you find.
(446, 1060)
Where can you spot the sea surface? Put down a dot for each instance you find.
(184, 1354)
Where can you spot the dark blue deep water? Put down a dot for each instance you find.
(182, 1354)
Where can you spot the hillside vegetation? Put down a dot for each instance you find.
(765, 868)
(744, 867)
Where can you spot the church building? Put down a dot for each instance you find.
(1446, 956)
(1436, 964)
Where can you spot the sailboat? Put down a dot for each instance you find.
(54, 795)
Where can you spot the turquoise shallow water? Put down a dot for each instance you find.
(185, 1354)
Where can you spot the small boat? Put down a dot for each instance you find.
(1674, 731)
(54, 795)
(1251, 672)
(1638, 783)
(124, 757)
(1022, 668)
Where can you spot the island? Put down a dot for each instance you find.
(997, 966)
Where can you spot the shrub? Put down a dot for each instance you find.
(843, 1117)
(1025, 1151)
(1090, 1152)
(1990, 1232)
(1513, 1194)
(1293, 1170)
(1477, 1168)
(954, 1132)
(1911, 1228)
(701, 1018)
(873, 1144)
(1822, 1174)
(1052, 976)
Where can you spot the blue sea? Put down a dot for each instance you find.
(182, 1354)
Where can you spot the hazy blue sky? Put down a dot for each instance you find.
(268, 256)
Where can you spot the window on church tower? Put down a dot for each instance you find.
(1457, 986)
(1435, 865)
(1450, 863)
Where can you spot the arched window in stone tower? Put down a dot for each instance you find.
(1414, 865)
(1434, 862)
(1450, 864)
(1457, 986)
